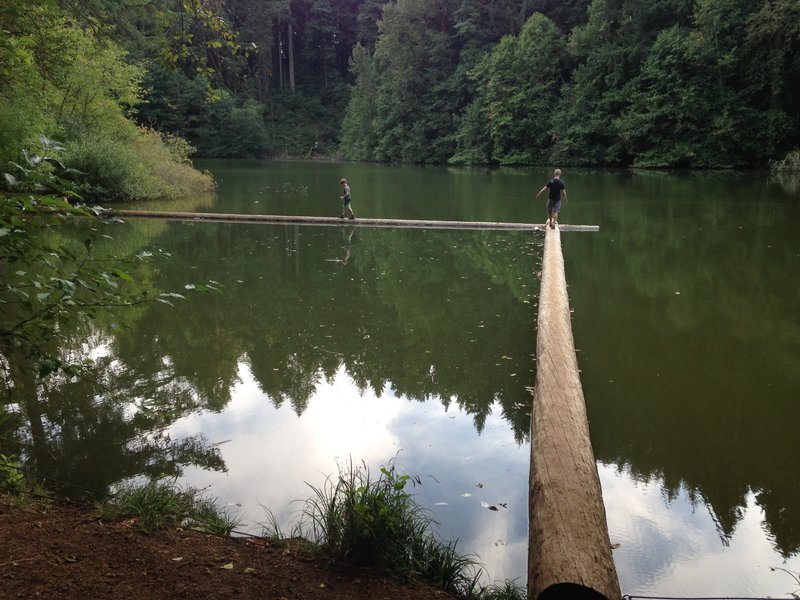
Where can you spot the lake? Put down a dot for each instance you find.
(338, 344)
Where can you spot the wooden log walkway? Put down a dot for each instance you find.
(358, 222)
(569, 548)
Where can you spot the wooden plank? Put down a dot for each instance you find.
(330, 221)
(569, 547)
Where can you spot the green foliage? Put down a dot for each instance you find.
(198, 38)
(377, 523)
(97, 87)
(364, 521)
(508, 590)
(233, 129)
(358, 127)
(644, 83)
(296, 121)
(689, 108)
(416, 99)
(11, 477)
(605, 82)
(518, 85)
(149, 166)
(71, 83)
(157, 504)
(50, 282)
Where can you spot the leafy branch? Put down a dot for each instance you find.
(50, 281)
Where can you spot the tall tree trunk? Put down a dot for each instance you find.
(280, 55)
(290, 32)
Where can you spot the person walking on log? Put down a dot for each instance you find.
(346, 200)
(556, 185)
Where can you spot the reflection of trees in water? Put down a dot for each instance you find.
(412, 312)
(95, 430)
(445, 322)
(702, 396)
(88, 423)
(444, 314)
(788, 180)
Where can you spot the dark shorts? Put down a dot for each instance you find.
(347, 201)
(553, 205)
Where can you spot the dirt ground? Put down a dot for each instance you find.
(56, 551)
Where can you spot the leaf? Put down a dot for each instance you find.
(122, 274)
(178, 558)
(227, 567)
(107, 278)
(31, 159)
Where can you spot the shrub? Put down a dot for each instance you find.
(145, 168)
(790, 163)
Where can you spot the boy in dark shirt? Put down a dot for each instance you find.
(556, 186)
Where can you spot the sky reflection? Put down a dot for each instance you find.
(272, 455)
(667, 546)
(672, 546)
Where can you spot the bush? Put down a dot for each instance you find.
(233, 130)
(790, 163)
(145, 168)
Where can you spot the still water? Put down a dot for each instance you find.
(332, 344)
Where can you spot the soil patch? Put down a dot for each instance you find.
(56, 551)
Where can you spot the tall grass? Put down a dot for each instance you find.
(156, 504)
(375, 522)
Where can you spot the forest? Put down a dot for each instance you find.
(128, 85)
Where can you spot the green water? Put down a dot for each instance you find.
(336, 342)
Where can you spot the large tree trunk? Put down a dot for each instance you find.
(280, 55)
(569, 553)
(290, 35)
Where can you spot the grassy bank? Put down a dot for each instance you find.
(355, 519)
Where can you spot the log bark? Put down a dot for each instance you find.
(569, 548)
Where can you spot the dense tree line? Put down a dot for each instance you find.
(666, 83)
(661, 83)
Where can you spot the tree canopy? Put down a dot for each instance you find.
(652, 83)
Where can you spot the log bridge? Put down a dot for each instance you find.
(330, 221)
(569, 552)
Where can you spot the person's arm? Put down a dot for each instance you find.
(541, 190)
(565, 195)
